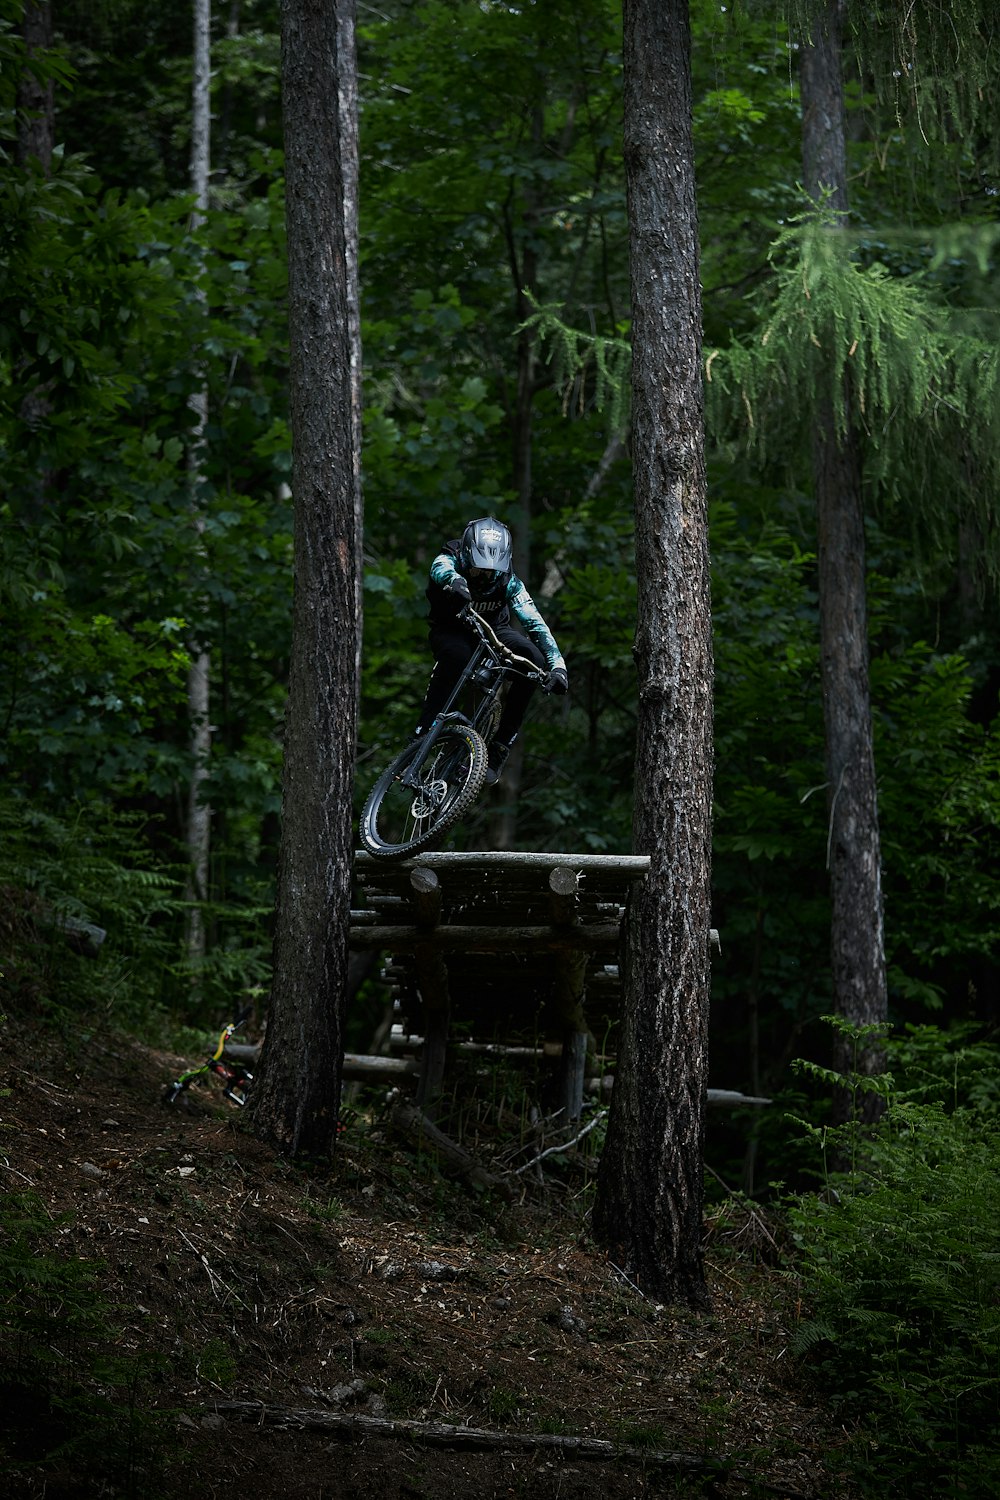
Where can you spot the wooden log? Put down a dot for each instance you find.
(501, 861)
(83, 937)
(715, 1098)
(433, 1057)
(413, 1043)
(359, 1067)
(423, 1133)
(733, 1099)
(468, 1439)
(455, 938)
(574, 1064)
(564, 884)
(431, 974)
(426, 891)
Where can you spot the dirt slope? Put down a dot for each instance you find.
(375, 1289)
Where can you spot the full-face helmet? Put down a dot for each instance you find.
(486, 548)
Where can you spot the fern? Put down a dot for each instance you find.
(92, 867)
(901, 1271)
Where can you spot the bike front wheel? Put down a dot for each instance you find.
(397, 820)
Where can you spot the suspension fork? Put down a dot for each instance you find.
(411, 777)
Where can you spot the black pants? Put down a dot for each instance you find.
(452, 647)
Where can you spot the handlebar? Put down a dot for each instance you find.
(469, 616)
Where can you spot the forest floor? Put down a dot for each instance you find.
(334, 1332)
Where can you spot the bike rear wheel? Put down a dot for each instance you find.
(397, 820)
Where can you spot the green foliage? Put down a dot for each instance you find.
(955, 1068)
(942, 899)
(900, 1268)
(428, 417)
(585, 366)
(937, 794)
(60, 877)
(865, 341)
(933, 71)
(877, 331)
(83, 695)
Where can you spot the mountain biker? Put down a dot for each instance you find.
(477, 568)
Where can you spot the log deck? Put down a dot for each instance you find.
(509, 945)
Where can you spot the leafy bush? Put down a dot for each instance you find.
(900, 1266)
(65, 883)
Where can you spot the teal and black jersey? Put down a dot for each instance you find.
(496, 598)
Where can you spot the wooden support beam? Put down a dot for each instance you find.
(359, 1067)
(426, 892)
(454, 938)
(627, 867)
(564, 884)
(574, 1067)
(431, 973)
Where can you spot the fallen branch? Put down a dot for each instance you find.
(423, 1133)
(474, 1439)
(562, 1146)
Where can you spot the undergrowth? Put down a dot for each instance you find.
(91, 919)
(71, 1422)
(899, 1259)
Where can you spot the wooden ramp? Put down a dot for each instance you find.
(506, 950)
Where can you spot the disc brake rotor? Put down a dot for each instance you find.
(428, 799)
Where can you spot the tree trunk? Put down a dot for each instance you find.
(296, 1094)
(36, 131)
(650, 1185)
(199, 814)
(524, 275)
(36, 97)
(854, 854)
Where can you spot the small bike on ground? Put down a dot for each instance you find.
(236, 1079)
(436, 779)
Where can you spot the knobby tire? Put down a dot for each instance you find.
(451, 779)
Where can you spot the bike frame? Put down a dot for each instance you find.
(234, 1076)
(499, 660)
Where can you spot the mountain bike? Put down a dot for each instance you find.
(436, 779)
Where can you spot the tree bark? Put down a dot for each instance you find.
(199, 814)
(297, 1093)
(854, 853)
(650, 1184)
(36, 130)
(524, 275)
(36, 127)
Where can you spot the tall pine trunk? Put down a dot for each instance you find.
(854, 853)
(650, 1184)
(296, 1094)
(199, 814)
(524, 275)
